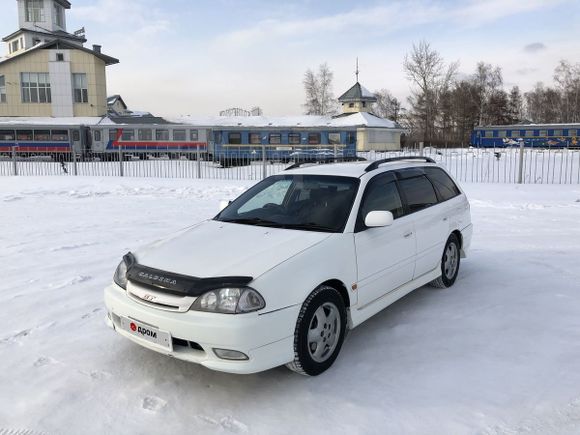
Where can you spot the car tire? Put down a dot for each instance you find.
(319, 333)
(449, 263)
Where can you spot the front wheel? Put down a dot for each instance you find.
(319, 332)
(449, 263)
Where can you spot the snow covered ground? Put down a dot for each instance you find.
(498, 353)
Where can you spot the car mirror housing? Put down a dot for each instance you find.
(379, 218)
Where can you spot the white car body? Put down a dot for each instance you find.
(371, 269)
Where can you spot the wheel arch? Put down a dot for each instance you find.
(460, 238)
(339, 286)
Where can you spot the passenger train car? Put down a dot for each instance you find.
(532, 135)
(42, 140)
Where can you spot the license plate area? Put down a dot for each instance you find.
(147, 332)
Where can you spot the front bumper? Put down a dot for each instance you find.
(267, 339)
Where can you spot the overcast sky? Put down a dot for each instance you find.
(201, 56)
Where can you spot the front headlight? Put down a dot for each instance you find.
(230, 301)
(120, 276)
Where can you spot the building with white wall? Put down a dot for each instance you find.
(47, 71)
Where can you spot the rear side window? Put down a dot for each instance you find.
(443, 183)
(418, 192)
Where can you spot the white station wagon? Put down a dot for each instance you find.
(281, 274)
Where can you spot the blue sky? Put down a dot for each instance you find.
(199, 57)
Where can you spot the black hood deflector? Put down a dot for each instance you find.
(177, 284)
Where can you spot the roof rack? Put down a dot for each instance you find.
(325, 161)
(374, 165)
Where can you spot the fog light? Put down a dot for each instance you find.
(230, 354)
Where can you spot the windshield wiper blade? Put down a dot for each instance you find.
(311, 226)
(252, 221)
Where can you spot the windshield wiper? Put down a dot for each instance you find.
(252, 221)
(311, 226)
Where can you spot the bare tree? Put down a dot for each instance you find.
(489, 81)
(567, 80)
(430, 78)
(319, 95)
(387, 106)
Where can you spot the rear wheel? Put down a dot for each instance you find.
(319, 332)
(449, 263)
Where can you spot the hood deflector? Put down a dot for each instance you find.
(177, 284)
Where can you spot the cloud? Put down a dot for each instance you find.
(384, 19)
(526, 71)
(534, 47)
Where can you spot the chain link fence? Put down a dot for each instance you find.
(502, 165)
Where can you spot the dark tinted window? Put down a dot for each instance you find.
(445, 186)
(381, 194)
(418, 192)
(235, 138)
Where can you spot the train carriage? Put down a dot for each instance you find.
(35, 140)
(532, 136)
(147, 140)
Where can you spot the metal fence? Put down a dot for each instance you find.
(505, 165)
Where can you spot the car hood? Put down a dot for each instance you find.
(213, 249)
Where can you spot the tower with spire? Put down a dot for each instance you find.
(357, 98)
(47, 71)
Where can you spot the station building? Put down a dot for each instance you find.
(47, 71)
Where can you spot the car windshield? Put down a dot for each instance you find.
(300, 202)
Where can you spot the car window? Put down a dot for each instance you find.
(445, 186)
(273, 194)
(381, 194)
(418, 192)
(302, 202)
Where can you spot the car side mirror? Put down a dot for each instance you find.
(379, 218)
(223, 204)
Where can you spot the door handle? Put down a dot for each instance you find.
(407, 235)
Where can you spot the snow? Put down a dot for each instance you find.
(495, 354)
(353, 120)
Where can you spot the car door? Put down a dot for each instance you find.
(428, 215)
(385, 255)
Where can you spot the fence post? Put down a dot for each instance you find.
(120, 161)
(521, 163)
(74, 157)
(421, 146)
(14, 163)
(263, 161)
(198, 162)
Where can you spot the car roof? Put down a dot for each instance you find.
(354, 169)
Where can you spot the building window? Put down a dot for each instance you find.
(81, 90)
(35, 10)
(313, 138)
(351, 105)
(58, 15)
(350, 137)
(161, 134)
(2, 89)
(234, 138)
(275, 138)
(193, 135)
(60, 57)
(35, 88)
(145, 134)
(294, 138)
(15, 46)
(255, 138)
(179, 135)
(334, 138)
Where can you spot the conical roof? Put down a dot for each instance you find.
(357, 93)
